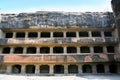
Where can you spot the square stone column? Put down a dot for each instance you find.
(26, 34)
(23, 67)
(11, 50)
(107, 68)
(64, 34)
(51, 50)
(77, 34)
(37, 69)
(79, 68)
(78, 50)
(14, 34)
(94, 70)
(102, 34)
(65, 50)
(104, 49)
(66, 69)
(38, 50)
(39, 35)
(9, 69)
(90, 34)
(24, 50)
(91, 49)
(51, 34)
(51, 69)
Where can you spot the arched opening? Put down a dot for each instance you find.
(73, 69)
(30, 69)
(87, 69)
(16, 69)
(84, 49)
(58, 69)
(100, 68)
(6, 50)
(113, 68)
(44, 50)
(31, 50)
(58, 34)
(70, 34)
(58, 50)
(18, 50)
(44, 69)
(71, 50)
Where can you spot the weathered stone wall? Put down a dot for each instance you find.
(116, 10)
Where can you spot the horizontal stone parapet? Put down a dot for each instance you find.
(56, 40)
(59, 58)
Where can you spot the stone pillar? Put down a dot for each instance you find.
(24, 50)
(9, 69)
(107, 68)
(14, 34)
(51, 69)
(104, 49)
(39, 35)
(65, 50)
(51, 34)
(78, 50)
(77, 34)
(26, 34)
(51, 50)
(64, 34)
(23, 69)
(11, 50)
(37, 69)
(94, 70)
(90, 34)
(79, 68)
(91, 49)
(102, 34)
(38, 50)
(66, 69)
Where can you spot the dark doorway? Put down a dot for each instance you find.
(113, 68)
(16, 69)
(73, 69)
(100, 68)
(30, 69)
(44, 69)
(87, 69)
(58, 69)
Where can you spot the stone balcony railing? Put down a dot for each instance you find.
(56, 40)
(59, 58)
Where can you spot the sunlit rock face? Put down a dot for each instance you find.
(58, 19)
(116, 9)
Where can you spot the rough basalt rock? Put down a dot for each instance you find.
(116, 10)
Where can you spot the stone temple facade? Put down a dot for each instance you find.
(60, 43)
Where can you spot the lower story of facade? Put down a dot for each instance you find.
(60, 69)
